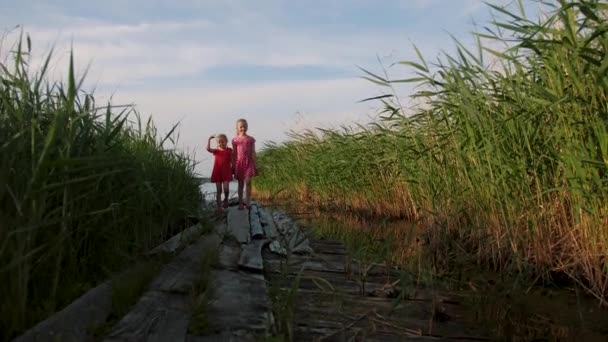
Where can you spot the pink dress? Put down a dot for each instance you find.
(244, 165)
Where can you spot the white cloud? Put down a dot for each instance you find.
(271, 109)
(133, 53)
(143, 59)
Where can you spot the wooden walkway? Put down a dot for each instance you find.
(333, 298)
(238, 308)
(270, 278)
(163, 312)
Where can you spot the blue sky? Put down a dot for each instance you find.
(280, 64)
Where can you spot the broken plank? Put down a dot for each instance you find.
(238, 224)
(254, 222)
(270, 229)
(251, 256)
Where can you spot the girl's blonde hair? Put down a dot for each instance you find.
(244, 123)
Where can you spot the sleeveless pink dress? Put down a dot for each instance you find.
(244, 165)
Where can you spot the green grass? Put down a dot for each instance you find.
(84, 189)
(283, 301)
(503, 158)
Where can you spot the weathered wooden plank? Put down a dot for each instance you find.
(328, 242)
(158, 316)
(238, 224)
(417, 295)
(221, 229)
(328, 252)
(373, 333)
(298, 242)
(171, 326)
(254, 222)
(72, 323)
(181, 273)
(309, 281)
(225, 336)
(295, 265)
(318, 304)
(412, 324)
(327, 246)
(319, 312)
(306, 334)
(320, 330)
(229, 255)
(239, 302)
(270, 229)
(335, 290)
(178, 240)
(239, 307)
(331, 272)
(162, 313)
(290, 235)
(251, 256)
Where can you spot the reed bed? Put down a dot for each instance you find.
(504, 153)
(83, 189)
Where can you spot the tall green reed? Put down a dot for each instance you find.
(507, 151)
(83, 189)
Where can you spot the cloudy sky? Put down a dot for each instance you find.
(280, 64)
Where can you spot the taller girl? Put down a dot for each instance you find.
(243, 156)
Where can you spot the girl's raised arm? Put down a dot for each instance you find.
(209, 144)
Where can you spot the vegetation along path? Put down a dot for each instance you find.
(491, 176)
(272, 281)
(320, 292)
(258, 276)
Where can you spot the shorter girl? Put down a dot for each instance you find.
(243, 154)
(222, 168)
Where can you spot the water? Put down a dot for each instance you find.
(209, 190)
(507, 305)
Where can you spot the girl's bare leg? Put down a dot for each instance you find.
(248, 191)
(226, 193)
(240, 192)
(218, 195)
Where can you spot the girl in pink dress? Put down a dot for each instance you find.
(243, 155)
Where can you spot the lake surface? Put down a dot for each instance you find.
(209, 190)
